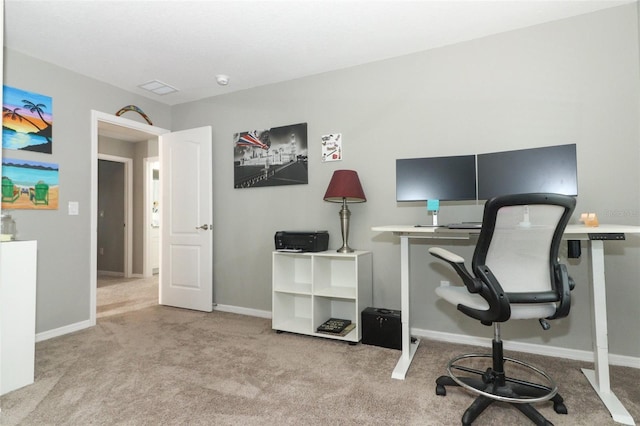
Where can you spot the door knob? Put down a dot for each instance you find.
(205, 227)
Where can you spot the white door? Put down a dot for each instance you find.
(186, 275)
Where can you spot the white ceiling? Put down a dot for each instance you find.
(186, 43)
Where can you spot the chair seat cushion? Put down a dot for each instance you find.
(459, 295)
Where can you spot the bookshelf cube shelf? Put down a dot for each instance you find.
(310, 288)
(294, 312)
(294, 274)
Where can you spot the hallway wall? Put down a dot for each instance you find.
(111, 217)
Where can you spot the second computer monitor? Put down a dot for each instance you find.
(549, 169)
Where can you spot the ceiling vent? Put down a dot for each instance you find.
(158, 87)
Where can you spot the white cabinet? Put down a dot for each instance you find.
(310, 288)
(17, 314)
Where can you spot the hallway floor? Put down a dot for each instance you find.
(117, 295)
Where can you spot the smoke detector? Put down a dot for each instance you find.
(222, 79)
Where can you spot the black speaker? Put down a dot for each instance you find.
(381, 327)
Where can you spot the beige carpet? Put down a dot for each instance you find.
(116, 295)
(162, 365)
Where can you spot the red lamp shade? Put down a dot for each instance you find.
(345, 185)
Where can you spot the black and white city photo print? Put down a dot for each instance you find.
(273, 157)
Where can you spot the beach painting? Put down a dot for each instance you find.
(27, 121)
(29, 185)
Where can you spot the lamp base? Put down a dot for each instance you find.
(345, 214)
(345, 249)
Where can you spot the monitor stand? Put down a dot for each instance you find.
(433, 206)
(434, 214)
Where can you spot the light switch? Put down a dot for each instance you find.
(73, 208)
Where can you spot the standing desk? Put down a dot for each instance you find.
(599, 376)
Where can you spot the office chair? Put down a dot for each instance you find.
(516, 275)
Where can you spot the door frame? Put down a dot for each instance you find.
(96, 118)
(147, 270)
(128, 209)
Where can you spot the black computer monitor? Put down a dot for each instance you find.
(548, 169)
(436, 178)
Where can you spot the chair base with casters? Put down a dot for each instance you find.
(494, 385)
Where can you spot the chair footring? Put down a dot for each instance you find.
(513, 390)
(494, 386)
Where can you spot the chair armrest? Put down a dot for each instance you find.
(473, 285)
(564, 285)
(499, 309)
(446, 255)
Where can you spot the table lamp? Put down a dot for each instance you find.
(345, 188)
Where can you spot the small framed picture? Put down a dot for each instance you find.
(332, 147)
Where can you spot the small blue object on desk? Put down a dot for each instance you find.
(434, 206)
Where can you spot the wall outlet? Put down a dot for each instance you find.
(445, 283)
(101, 250)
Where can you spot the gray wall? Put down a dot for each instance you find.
(124, 149)
(143, 150)
(571, 81)
(111, 216)
(63, 240)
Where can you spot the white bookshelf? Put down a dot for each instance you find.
(310, 288)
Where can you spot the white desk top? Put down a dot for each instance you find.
(572, 230)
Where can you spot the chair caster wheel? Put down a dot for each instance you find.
(560, 408)
(441, 390)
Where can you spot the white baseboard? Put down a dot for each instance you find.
(118, 274)
(110, 273)
(554, 351)
(242, 311)
(71, 328)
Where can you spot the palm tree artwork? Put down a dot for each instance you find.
(27, 121)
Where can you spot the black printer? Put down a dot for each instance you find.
(302, 241)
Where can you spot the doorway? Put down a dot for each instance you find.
(115, 224)
(128, 131)
(118, 290)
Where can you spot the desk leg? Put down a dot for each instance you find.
(408, 348)
(599, 378)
